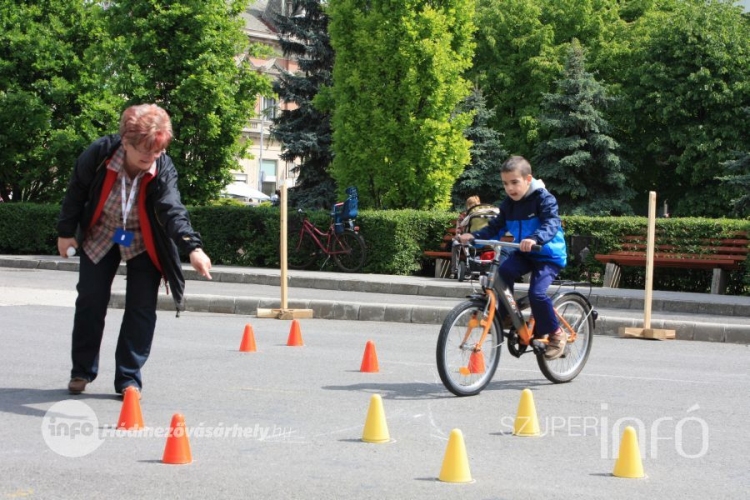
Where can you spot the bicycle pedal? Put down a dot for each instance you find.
(538, 346)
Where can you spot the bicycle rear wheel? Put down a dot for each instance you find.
(463, 370)
(577, 312)
(349, 251)
(302, 250)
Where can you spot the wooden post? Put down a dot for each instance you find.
(284, 312)
(283, 244)
(650, 241)
(647, 332)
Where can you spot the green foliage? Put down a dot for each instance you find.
(686, 82)
(515, 63)
(398, 80)
(577, 159)
(53, 97)
(183, 55)
(397, 238)
(305, 131)
(739, 170)
(482, 175)
(28, 228)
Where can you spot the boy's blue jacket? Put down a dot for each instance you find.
(533, 216)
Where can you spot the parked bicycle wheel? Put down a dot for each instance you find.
(463, 370)
(301, 249)
(576, 311)
(349, 251)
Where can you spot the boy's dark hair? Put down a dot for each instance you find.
(516, 164)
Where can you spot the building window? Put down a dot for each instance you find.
(268, 107)
(268, 176)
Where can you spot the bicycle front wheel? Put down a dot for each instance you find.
(349, 251)
(576, 312)
(302, 250)
(465, 367)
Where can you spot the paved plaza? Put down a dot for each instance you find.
(287, 422)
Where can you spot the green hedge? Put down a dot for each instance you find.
(249, 236)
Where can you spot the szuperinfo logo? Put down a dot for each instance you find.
(70, 428)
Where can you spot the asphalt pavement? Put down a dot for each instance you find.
(287, 422)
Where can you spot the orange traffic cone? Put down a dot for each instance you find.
(177, 450)
(476, 362)
(248, 340)
(131, 417)
(295, 336)
(370, 359)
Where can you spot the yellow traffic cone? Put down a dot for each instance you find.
(628, 462)
(455, 462)
(376, 428)
(527, 423)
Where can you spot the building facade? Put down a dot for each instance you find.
(264, 170)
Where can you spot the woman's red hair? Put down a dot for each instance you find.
(147, 126)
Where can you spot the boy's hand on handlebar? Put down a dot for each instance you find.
(465, 238)
(527, 245)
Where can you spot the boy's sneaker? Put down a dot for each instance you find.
(556, 344)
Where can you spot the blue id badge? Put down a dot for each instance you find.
(123, 237)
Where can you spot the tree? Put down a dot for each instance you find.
(686, 84)
(305, 131)
(739, 176)
(397, 83)
(521, 51)
(482, 175)
(577, 160)
(738, 169)
(183, 55)
(52, 100)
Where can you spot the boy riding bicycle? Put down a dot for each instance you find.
(529, 213)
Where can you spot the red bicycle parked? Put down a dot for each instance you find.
(342, 241)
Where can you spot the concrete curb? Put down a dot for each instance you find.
(609, 322)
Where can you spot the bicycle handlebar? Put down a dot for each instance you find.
(499, 243)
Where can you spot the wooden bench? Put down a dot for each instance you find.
(718, 254)
(443, 257)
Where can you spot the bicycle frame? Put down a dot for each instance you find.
(494, 288)
(472, 330)
(317, 236)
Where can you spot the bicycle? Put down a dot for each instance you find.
(341, 241)
(473, 328)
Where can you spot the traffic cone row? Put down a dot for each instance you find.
(455, 467)
(369, 358)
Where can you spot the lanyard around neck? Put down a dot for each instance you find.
(128, 206)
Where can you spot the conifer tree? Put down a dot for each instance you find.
(482, 176)
(577, 160)
(738, 176)
(305, 131)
